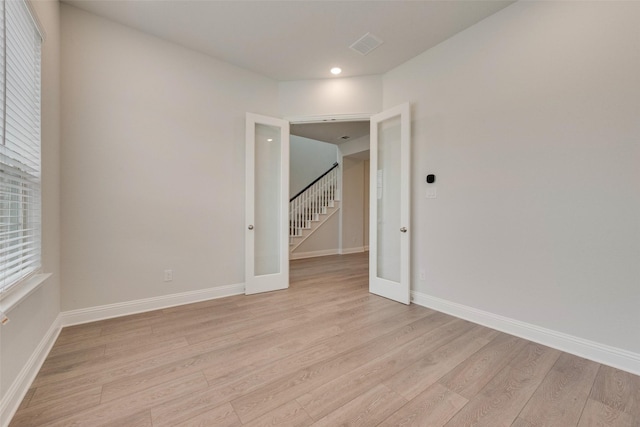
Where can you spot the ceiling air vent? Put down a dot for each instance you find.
(365, 44)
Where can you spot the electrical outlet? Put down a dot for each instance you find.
(422, 274)
(168, 275)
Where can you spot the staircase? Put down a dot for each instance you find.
(312, 206)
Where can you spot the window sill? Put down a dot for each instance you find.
(17, 293)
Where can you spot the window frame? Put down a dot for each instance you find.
(20, 155)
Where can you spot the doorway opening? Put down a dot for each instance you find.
(316, 148)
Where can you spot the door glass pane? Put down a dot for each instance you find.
(267, 227)
(388, 203)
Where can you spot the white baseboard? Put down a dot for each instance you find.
(313, 254)
(13, 397)
(601, 353)
(92, 314)
(346, 251)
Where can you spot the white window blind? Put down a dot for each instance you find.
(20, 181)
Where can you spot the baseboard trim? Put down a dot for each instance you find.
(601, 353)
(346, 251)
(12, 399)
(92, 314)
(313, 254)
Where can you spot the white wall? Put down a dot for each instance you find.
(36, 315)
(152, 164)
(308, 159)
(333, 97)
(355, 188)
(530, 120)
(353, 204)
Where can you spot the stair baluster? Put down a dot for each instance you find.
(309, 206)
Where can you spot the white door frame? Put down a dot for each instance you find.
(329, 119)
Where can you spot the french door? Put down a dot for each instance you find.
(267, 199)
(389, 209)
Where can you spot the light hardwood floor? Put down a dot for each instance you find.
(325, 353)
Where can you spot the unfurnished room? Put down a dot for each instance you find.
(327, 213)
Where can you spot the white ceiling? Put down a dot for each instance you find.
(298, 40)
(331, 132)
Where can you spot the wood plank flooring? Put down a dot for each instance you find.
(325, 353)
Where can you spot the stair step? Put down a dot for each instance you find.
(313, 207)
(309, 227)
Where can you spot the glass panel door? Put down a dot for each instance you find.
(389, 239)
(267, 190)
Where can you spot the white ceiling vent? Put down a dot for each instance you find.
(365, 44)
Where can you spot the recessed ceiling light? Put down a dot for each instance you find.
(270, 139)
(336, 70)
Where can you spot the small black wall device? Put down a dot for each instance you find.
(431, 179)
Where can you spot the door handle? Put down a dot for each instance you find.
(250, 227)
(403, 229)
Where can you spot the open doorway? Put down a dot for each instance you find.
(342, 226)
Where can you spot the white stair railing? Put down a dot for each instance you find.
(307, 205)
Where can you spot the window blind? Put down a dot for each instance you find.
(20, 178)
